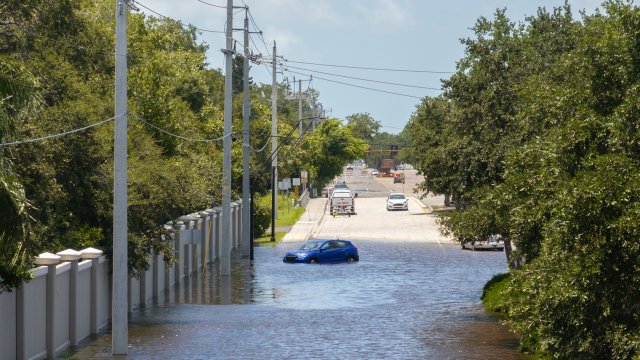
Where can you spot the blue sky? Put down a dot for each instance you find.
(398, 34)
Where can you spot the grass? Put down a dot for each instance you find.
(287, 214)
(494, 296)
(266, 240)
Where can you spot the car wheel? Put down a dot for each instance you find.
(351, 258)
(313, 261)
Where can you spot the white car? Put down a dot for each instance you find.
(374, 173)
(397, 201)
(493, 242)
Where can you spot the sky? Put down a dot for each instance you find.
(418, 35)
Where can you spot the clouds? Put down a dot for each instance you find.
(385, 13)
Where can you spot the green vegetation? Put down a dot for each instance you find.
(57, 74)
(536, 138)
(266, 239)
(494, 293)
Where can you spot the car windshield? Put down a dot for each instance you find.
(396, 197)
(311, 245)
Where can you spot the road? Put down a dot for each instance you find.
(373, 221)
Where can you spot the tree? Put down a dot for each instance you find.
(363, 126)
(17, 98)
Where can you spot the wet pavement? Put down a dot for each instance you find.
(403, 300)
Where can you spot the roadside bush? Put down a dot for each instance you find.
(494, 295)
(261, 217)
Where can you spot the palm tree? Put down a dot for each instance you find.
(16, 99)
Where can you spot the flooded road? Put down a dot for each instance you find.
(403, 300)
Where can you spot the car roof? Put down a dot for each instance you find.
(396, 194)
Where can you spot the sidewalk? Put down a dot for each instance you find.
(301, 231)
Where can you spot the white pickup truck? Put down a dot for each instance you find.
(342, 201)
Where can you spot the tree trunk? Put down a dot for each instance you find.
(508, 251)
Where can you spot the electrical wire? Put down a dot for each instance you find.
(60, 134)
(263, 146)
(180, 136)
(363, 79)
(213, 5)
(169, 18)
(371, 68)
(356, 86)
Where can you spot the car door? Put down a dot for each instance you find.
(329, 252)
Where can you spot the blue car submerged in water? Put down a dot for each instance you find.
(323, 251)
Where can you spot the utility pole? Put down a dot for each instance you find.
(300, 97)
(119, 303)
(300, 107)
(246, 113)
(225, 245)
(274, 145)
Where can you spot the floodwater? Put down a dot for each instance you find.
(403, 300)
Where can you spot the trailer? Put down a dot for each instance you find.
(342, 202)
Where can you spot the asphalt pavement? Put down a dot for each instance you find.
(373, 221)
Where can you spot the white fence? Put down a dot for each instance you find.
(70, 295)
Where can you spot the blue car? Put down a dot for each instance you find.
(323, 251)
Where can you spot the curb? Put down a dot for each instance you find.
(423, 205)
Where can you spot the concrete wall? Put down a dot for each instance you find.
(8, 324)
(70, 300)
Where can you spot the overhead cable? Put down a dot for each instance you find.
(371, 68)
(60, 134)
(214, 5)
(180, 136)
(169, 18)
(363, 79)
(356, 86)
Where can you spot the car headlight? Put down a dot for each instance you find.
(300, 256)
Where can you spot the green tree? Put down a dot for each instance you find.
(363, 126)
(17, 98)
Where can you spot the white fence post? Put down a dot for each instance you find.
(72, 257)
(50, 261)
(94, 256)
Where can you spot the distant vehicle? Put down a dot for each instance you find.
(374, 172)
(323, 251)
(345, 191)
(493, 242)
(342, 185)
(397, 201)
(398, 178)
(342, 202)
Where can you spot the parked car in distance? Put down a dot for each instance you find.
(493, 242)
(323, 251)
(397, 201)
(398, 178)
(374, 172)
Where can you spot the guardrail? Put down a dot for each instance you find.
(304, 198)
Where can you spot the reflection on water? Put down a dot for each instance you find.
(401, 301)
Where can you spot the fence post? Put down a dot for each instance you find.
(217, 231)
(94, 256)
(204, 235)
(72, 257)
(177, 228)
(50, 261)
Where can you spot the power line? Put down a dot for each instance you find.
(356, 86)
(169, 18)
(214, 5)
(372, 68)
(60, 134)
(363, 79)
(180, 136)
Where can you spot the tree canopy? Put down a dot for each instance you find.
(536, 138)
